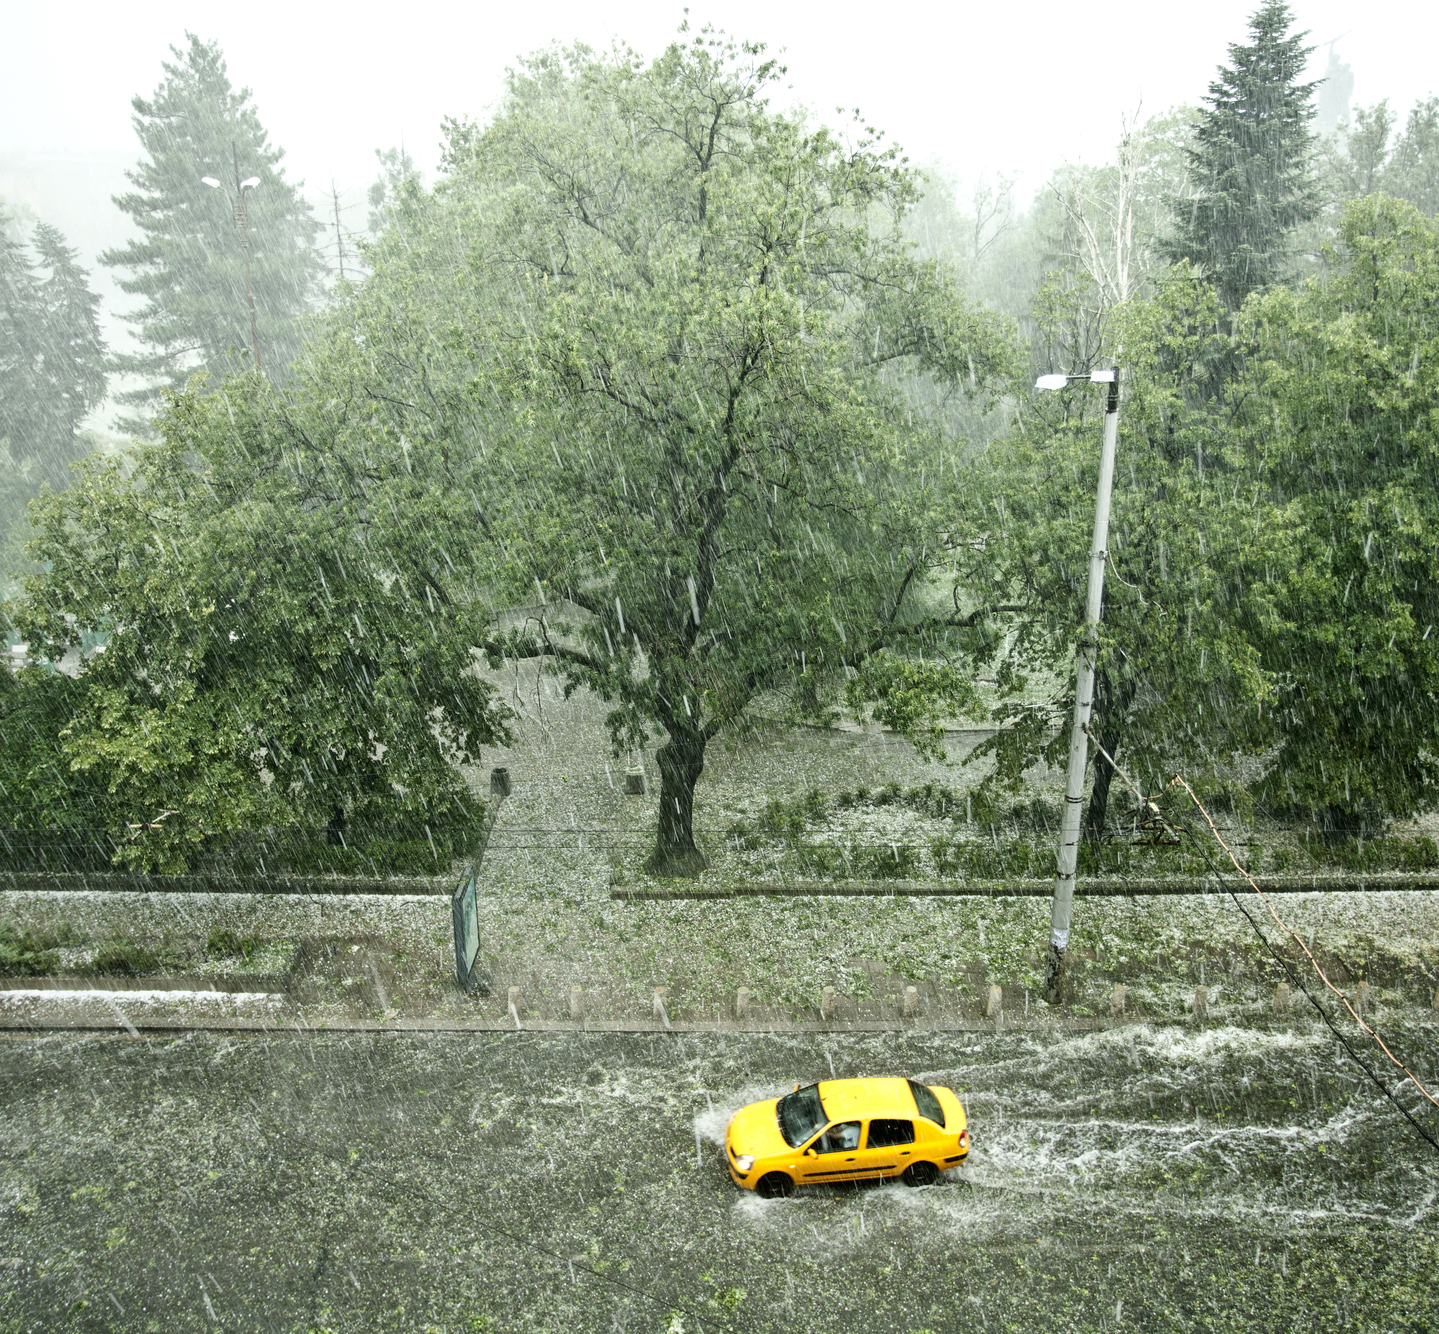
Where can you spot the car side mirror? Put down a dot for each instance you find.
(809, 1153)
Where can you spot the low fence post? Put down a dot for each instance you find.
(994, 1003)
(464, 907)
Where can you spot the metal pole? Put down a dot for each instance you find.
(1068, 856)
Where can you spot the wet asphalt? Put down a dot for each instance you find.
(1144, 1178)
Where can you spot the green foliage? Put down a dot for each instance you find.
(1365, 158)
(1342, 401)
(1180, 679)
(188, 264)
(52, 373)
(1378, 854)
(226, 944)
(1250, 162)
(282, 650)
(126, 958)
(51, 353)
(682, 322)
(399, 180)
(976, 859)
(784, 821)
(913, 697)
(24, 953)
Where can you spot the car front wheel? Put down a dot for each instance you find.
(774, 1186)
(920, 1174)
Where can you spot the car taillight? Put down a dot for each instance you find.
(964, 1139)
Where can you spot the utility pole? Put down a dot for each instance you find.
(1067, 859)
(242, 219)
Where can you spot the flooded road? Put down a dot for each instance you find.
(1138, 1177)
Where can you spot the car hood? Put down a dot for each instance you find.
(755, 1129)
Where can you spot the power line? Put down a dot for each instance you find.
(1290, 972)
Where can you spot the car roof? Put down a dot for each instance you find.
(858, 1099)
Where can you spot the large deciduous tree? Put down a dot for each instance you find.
(1179, 678)
(1340, 419)
(673, 328)
(1271, 582)
(1250, 163)
(187, 263)
(283, 645)
(702, 312)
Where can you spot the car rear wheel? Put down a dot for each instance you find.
(920, 1174)
(774, 1186)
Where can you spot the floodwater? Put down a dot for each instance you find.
(1166, 1177)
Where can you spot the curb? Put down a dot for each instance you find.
(171, 1025)
(1175, 886)
(288, 885)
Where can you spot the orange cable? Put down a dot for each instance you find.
(1284, 926)
(1323, 977)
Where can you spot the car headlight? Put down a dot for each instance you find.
(744, 1161)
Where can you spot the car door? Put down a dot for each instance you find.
(888, 1145)
(833, 1155)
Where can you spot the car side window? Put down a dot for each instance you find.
(839, 1138)
(885, 1134)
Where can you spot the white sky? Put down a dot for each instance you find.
(1008, 86)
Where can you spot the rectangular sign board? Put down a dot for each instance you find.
(465, 912)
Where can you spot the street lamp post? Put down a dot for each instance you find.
(243, 219)
(1067, 859)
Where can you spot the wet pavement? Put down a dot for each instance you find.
(1139, 1177)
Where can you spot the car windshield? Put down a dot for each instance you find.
(800, 1114)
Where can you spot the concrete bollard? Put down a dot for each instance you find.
(1201, 1002)
(1364, 999)
(1281, 998)
(513, 998)
(577, 1004)
(911, 1002)
(994, 1003)
(634, 781)
(741, 1003)
(826, 1004)
(1117, 1000)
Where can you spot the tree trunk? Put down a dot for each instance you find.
(681, 760)
(1339, 825)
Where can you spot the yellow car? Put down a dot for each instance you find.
(846, 1130)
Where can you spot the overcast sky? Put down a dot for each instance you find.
(1007, 86)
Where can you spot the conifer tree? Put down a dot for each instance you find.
(1250, 163)
(188, 263)
(52, 356)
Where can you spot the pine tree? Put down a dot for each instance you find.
(1250, 163)
(188, 263)
(52, 357)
